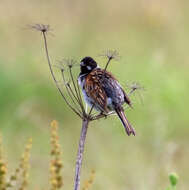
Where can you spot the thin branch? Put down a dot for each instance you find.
(73, 81)
(91, 110)
(109, 59)
(78, 87)
(70, 92)
(53, 76)
(101, 115)
(69, 86)
(80, 153)
(135, 86)
(132, 91)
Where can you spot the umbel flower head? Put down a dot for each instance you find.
(41, 27)
(71, 90)
(111, 54)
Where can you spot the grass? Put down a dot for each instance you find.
(152, 39)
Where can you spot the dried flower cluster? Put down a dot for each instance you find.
(111, 54)
(14, 178)
(56, 179)
(24, 165)
(20, 177)
(40, 27)
(89, 182)
(3, 169)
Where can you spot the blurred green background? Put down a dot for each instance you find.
(152, 39)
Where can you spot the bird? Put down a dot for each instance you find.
(103, 92)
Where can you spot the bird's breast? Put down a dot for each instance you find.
(81, 81)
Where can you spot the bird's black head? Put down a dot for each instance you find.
(87, 64)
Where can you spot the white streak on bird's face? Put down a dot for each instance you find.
(89, 68)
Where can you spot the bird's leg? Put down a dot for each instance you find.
(102, 114)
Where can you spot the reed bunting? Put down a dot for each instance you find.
(102, 91)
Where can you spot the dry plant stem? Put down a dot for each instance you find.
(107, 64)
(73, 94)
(77, 93)
(52, 73)
(91, 110)
(69, 89)
(70, 93)
(78, 87)
(132, 90)
(80, 153)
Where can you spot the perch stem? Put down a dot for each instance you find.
(80, 153)
(70, 93)
(107, 64)
(76, 91)
(52, 73)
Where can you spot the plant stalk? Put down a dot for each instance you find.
(54, 78)
(79, 159)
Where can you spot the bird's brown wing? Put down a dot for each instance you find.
(95, 91)
(110, 86)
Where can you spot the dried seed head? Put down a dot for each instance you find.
(60, 66)
(135, 86)
(89, 182)
(69, 62)
(41, 27)
(111, 54)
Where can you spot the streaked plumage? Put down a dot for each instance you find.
(102, 90)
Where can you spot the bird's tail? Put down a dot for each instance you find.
(128, 128)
